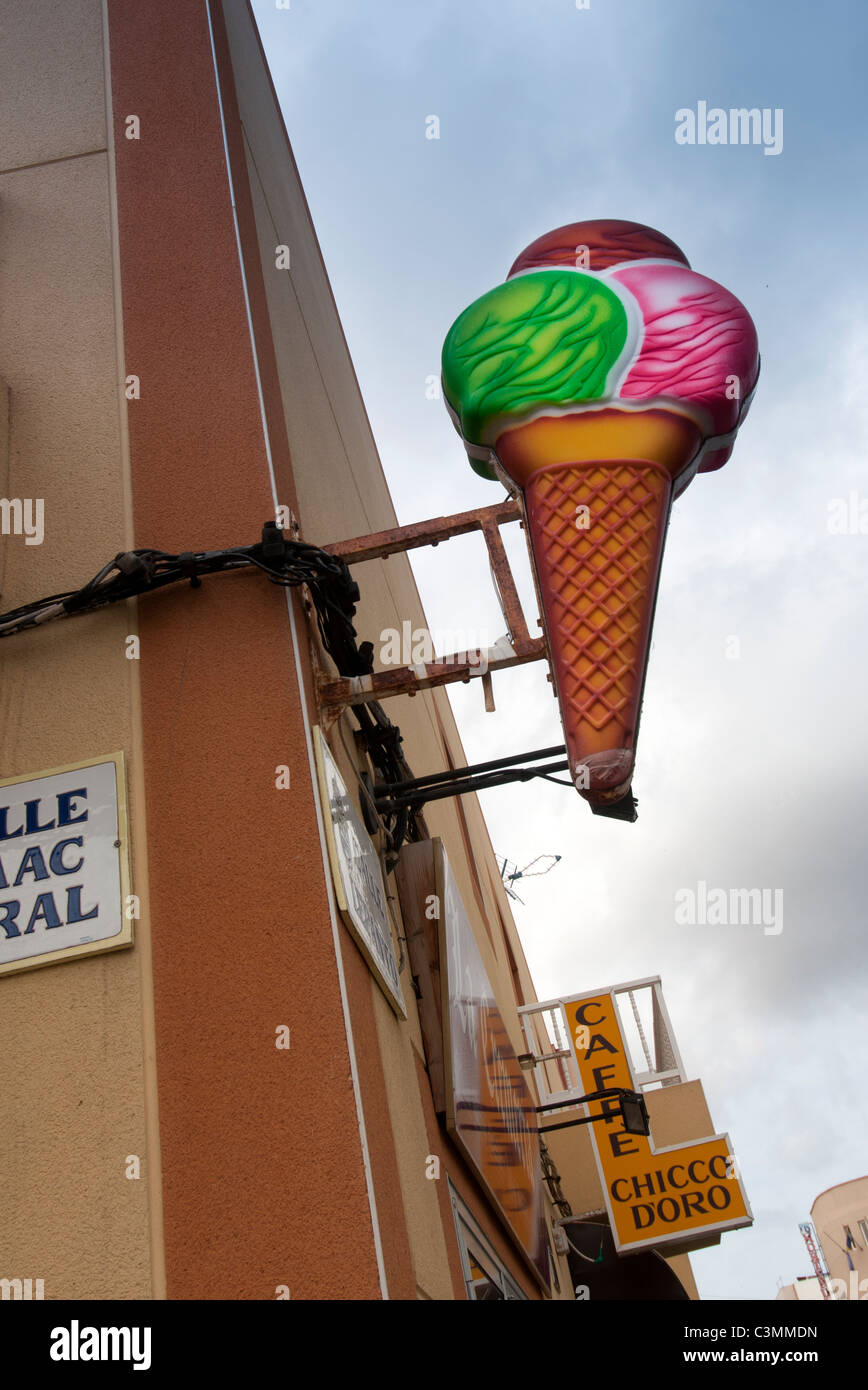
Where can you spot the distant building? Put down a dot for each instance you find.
(840, 1217)
(804, 1289)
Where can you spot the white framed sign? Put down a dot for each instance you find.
(357, 876)
(64, 864)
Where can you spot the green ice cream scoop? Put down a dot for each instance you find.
(551, 337)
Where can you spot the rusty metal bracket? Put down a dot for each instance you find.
(521, 647)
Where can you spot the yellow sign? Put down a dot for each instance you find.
(490, 1111)
(653, 1196)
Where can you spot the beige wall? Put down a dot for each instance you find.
(72, 1107)
(837, 1207)
(805, 1290)
(678, 1114)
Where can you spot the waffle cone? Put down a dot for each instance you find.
(597, 573)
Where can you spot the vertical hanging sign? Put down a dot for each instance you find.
(357, 876)
(490, 1111)
(655, 1197)
(64, 865)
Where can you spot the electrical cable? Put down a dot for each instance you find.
(590, 1260)
(134, 573)
(363, 790)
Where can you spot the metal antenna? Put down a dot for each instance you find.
(509, 872)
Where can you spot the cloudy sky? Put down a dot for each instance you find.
(750, 770)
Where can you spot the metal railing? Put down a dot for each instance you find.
(646, 1028)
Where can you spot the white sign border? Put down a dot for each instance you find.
(124, 938)
(321, 752)
(681, 1239)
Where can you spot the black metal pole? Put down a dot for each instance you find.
(608, 1094)
(453, 773)
(568, 1124)
(471, 784)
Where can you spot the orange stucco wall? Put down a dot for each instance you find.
(241, 930)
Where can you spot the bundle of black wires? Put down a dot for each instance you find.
(134, 573)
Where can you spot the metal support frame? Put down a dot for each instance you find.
(621, 1093)
(335, 695)
(392, 796)
(544, 1038)
(552, 1179)
(821, 1273)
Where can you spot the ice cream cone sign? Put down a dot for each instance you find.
(595, 383)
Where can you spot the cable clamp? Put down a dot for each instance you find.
(187, 563)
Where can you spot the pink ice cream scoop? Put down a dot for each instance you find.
(697, 344)
(598, 380)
